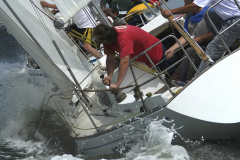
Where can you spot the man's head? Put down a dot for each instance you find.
(115, 11)
(104, 33)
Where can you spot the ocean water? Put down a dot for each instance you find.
(30, 129)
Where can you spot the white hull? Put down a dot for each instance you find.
(112, 141)
(210, 112)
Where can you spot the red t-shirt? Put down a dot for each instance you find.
(132, 41)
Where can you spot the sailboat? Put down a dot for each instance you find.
(99, 120)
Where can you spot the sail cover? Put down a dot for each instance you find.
(69, 8)
(47, 58)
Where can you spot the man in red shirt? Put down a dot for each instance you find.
(129, 41)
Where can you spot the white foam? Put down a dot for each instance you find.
(65, 157)
(20, 97)
(20, 92)
(157, 145)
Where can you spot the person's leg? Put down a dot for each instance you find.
(161, 65)
(215, 48)
(185, 64)
(165, 64)
(184, 67)
(187, 71)
(196, 60)
(217, 21)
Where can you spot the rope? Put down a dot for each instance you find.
(44, 110)
(79, 48)
(47, 31)
(88, 75)
(146, 68)
(41, 20)
(41, 10)
(95, 44)
(39, 112)
(143, 67)
(102, 90)
(99, 106)
(72, 31)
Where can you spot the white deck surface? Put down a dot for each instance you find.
(214, 96)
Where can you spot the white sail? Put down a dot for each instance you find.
(48, 59)
(69, 8)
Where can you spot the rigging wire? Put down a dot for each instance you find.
(48, 32)
(45, 27)
(81, 37)
(101, 90)
(79, 48)
(41, 10)
(41, 20)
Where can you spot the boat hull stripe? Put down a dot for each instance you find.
(103, 145)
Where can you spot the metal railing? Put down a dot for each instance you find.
(155, 68)
(151, 11)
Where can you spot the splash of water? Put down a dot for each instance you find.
(21, 98)
(156, 144)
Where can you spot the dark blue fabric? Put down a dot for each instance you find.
(136, 19)
(195, 18)
(166, 63)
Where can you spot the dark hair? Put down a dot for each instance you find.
(115, 10)
(108, 11)
(103, 32)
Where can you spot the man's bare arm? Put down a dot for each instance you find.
(110, 64)
(123, 67)
(204, 38)
(45, 4)
(170, 51)
(187, 9)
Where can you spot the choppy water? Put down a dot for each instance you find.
(27, 132)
